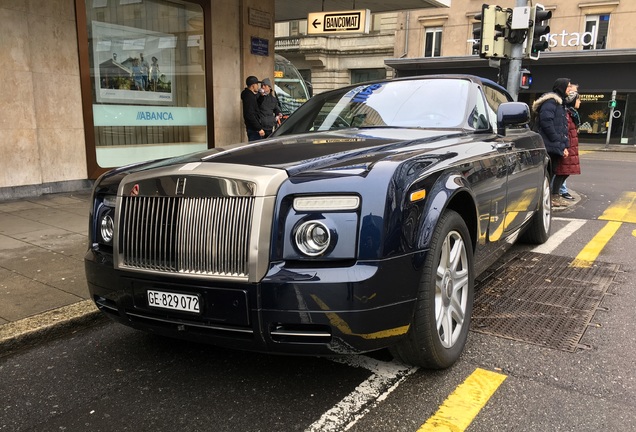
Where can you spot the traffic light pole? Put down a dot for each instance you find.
(514, 71)
(514, 65)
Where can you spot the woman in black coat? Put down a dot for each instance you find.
(552, 125)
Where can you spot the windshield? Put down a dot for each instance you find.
(291, 95)
(427, 103)
(290, 87)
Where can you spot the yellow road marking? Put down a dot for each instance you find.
(623, 210)
(462, 406)
(592, 250)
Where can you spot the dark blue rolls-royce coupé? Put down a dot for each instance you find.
(360, 224)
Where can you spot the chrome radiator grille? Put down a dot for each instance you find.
(207, 236)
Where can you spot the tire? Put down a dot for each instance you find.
(441, 320)
(538, 232)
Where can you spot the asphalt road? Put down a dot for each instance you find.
(109, 377)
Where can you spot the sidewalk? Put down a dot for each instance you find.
(42, 284)
(42, 244)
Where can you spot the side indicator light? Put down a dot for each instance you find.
(418, 195)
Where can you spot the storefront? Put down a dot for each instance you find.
(145, 91)
(597, 72)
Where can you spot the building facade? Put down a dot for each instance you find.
(334, 61)
(87, 85)
(589, 42)
(91, 84)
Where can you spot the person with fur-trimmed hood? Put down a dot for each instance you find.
(570, 164)
(552, 124)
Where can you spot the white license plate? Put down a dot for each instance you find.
(173, 301)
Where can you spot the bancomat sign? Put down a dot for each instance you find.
(325, 23)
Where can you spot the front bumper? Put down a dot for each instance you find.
(318, 311)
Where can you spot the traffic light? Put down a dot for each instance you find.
(477, 36)
(538, 28)
(492, 34)
(526, 79)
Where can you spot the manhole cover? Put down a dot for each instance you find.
(539, 299)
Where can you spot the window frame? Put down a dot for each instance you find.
(436, 42)
(595, 20)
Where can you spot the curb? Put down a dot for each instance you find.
(37, 328)
(618, 148)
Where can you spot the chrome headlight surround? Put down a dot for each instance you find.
(321, 227)
(105, 222)
(313, 238)
(107, 228)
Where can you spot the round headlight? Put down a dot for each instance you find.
(313, 238)
(107, 228)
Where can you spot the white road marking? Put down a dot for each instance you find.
(385, 378)
(559, 237)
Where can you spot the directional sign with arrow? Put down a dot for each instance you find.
(353, 21)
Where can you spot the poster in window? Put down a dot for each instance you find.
(132, 65)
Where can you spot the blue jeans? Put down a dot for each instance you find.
(253, 135)
(563, 189)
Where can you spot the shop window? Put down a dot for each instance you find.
(598, 27)
(433, 42)
(364, 75)
(147, 73)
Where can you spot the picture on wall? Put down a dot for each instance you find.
(132, 65)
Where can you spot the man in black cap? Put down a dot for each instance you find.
(249, 96)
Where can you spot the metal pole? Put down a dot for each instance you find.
(611, 117)
(514, 66)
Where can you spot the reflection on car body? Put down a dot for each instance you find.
(360, 224)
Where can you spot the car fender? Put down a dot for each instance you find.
(451, 190)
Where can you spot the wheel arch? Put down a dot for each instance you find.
(449, 192)
(463, 203)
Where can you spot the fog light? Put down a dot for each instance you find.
(107, 228)
(313, 238)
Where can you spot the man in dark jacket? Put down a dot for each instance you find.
(249, 96)
(268, 108)
(552, 125)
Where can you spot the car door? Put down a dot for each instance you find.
(487, 174)
(523, 168)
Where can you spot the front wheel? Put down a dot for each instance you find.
(538, 232)
(439, 327)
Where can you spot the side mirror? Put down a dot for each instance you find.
(512, 114)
